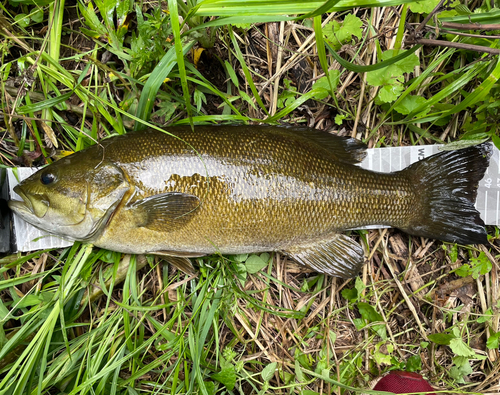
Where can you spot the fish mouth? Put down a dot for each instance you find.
(27, 206)
(21, 206)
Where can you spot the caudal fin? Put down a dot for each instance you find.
(446, 187)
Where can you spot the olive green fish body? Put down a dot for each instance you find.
(259, 191)
(241, 189)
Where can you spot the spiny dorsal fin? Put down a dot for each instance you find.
(166, 211)
(337, 256)
(344, 149)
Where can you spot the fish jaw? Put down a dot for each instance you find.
(34, 209)
(37, 203)
(24, 210)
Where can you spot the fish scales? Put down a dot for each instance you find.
(243, 189)
(258, 190)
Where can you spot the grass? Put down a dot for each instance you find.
(82, 320)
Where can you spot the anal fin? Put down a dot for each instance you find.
(180, 260)
(337, 256)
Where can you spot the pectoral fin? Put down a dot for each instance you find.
(338, 256)
(166, 211)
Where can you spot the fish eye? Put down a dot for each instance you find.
(47, 178)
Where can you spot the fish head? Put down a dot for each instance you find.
(72, 197)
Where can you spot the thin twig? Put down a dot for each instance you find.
(469, 26)
(428, 17)
(442, 43)
(470, 34)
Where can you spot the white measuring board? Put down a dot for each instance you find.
(29, 238)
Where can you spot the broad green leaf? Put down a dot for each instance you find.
(268, 372)
(458, 346)
(382, 359)
(323, 87)
(464, 270)
(359, 323)
(226, 376)
(298, 371)
(493, 341)
(29, 300)
(480, 265)
(209, 387)
(410, 103)
(488, 315)
(390, 93)
(414, 364)
(359, 285)
(351, 294)
(241, 273)
(443, 339)
(341, 33)
(423, 7)
(22, 20)
(368, 312)
(241, 257)
(332, 335)
(339, 119)
(37, 16)
(255, 264)
(391, 77)
(405, 65)
(287, 97)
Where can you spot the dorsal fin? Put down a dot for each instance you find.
(344, 149)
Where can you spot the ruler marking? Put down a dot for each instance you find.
(486, 205)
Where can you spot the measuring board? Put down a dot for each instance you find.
(29, 238)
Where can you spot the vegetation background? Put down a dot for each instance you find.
(82, 320)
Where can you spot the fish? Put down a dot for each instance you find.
(184, 193)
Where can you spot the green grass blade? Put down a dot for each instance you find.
(324, 8)
(490, 17)
(282, 7)
(248, 76)
(241, 19)
(380, 65)
(174, 19)
(479, 92)
(49, 103)
(155, 80)
(447, 92)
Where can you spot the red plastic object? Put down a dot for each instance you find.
(400, 382)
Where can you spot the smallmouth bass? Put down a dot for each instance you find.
(244, 189)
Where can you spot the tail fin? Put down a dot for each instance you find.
(446, 186)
